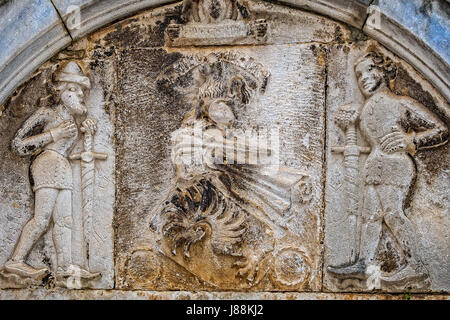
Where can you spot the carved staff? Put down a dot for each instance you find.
(346, 118)
(88, 157)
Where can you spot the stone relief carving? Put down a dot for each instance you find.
(219, 215)
(49, 136)
(215, 22)
(211, 222)
(396, 128)
(208, 11)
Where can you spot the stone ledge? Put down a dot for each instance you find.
(96, 14)
(427, 20)
(353, 12)
(63, 294)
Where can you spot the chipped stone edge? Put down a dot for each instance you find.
(353, 12)
(97, 14)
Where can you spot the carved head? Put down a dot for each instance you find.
(219, 100)
(223, 89)
(373, 72)
(220, 85)
(209, 11)
(70, 84)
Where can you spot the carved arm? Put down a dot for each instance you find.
(26, 141)
(430, 131)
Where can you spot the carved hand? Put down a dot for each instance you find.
(89, 125)
(398, 141)
(65, 130)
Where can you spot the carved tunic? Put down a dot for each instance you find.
(50, 169)
(385, 113)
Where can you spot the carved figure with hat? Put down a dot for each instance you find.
(48, 136)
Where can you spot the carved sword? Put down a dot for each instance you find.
(346, 118)
(88, 157)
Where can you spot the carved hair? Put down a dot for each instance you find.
(382, 63)
(54, 89)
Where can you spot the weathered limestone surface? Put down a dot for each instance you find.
(237, 146)
(415, 30)
(423, 192)
(429, 21)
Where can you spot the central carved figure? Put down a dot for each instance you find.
(208, 222)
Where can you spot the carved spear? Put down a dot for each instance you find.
(88, 157)
(346, 118)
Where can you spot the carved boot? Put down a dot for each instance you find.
(77, 272)
(24, 270)
(408, 273)
(356, 270)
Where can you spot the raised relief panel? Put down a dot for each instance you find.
(380, 133)
(229, 142)
(215, 22)
(233, 211)
(225, 145)
(63, 236)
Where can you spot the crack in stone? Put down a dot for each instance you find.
(62, 21)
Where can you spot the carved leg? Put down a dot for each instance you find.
(62, 231)
(44, 204)
(371, 227)
(402, 229)
(45, 200)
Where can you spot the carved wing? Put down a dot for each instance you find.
(274, 192)
(201, 211)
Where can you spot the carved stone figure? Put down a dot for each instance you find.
(209, 222)
(49, 135)
(215, 22)
(208, 11)
(396, 127)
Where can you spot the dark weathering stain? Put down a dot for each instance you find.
(404, 84)
(151, 111)
(139, 34)
(243, 10)
(435, 160)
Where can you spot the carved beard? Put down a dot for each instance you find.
(77, 108)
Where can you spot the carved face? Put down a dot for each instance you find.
(221, 113)
(214, 10)
(369, 77)
(72, 97)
